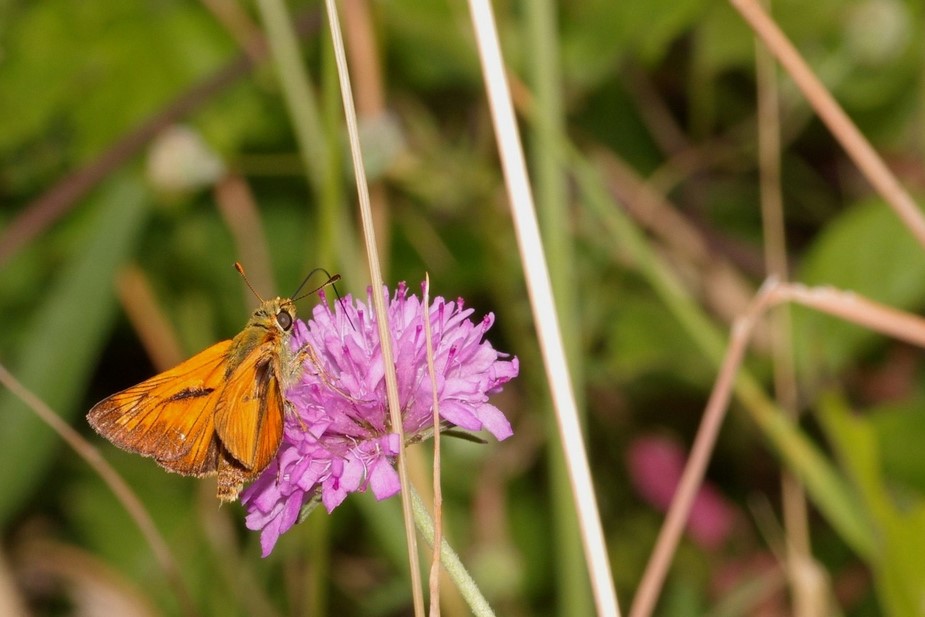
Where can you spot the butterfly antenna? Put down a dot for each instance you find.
(330, 281)
(240, 269)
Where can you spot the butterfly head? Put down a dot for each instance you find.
(278, 313)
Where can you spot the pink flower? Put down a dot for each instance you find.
(341, 442)
(655, 466)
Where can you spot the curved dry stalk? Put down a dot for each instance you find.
(241, 215)
(147, 317)
(113, 480)
(692, 478)
(846, 305)
(385, 339)
(843, 129)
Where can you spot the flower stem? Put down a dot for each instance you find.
(450, 560)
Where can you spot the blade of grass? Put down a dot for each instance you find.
(319, 140)
(58, 200)
(64, 339)
(297, 89)
(123, 492)
(451, 562)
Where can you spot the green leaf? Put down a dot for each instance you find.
(866, 250)
(902, 426)
(63, 341)
(900, 526)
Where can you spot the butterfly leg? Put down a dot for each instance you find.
(307, 353)
(231, 478)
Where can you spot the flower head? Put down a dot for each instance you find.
(340, 440)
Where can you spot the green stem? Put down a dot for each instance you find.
(574, 592)
(450, 560)
(297, 89)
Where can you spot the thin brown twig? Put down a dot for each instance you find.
(793, 497)
(843, 129)
(438, 492)
(144, 312)
(725, 289)
(654, 111)
(654, 576)
(239, 25)
(855, 308)
(110, 476)
(370, 99)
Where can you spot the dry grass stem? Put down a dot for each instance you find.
(148, 320)
(841, 126)
(793, 497)
(723, 288)
(438, 492)
(113, 480)
(543, 304)
(369, 236)
(241, 214)
(846, 305)
(654, 576)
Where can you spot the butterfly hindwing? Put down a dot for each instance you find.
(249, 414)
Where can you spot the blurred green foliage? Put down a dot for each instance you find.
(666, 87)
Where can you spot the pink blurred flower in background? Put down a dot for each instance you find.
(655, 468)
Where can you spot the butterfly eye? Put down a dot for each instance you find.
(284, 320)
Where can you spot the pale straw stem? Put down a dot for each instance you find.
(438, 491)
(855, 308)
(846, 305)
(793, 497)
(543, 305)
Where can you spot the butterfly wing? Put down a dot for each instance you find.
(169, 417)
(249, 416)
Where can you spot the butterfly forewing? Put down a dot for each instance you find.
(170, 415)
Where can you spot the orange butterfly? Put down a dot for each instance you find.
(222, 410)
